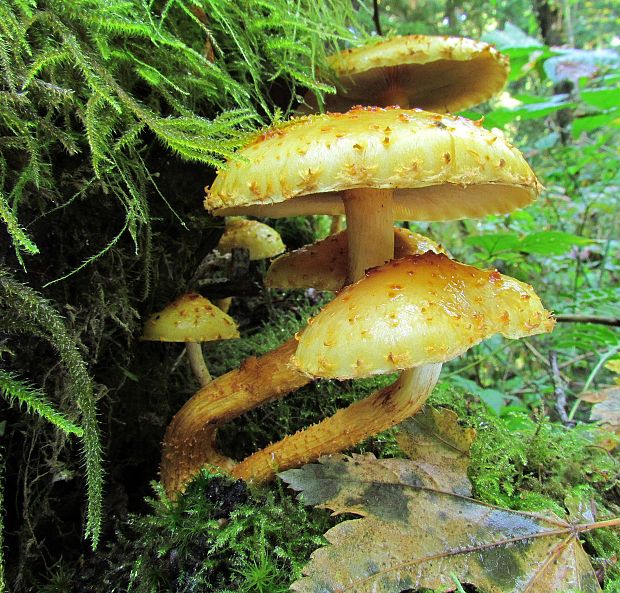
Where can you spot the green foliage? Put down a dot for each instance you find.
(105, 79)
(2, 571)
(23, 311)
(530, 464)
(218, 537)
(535, 465)
(34, 400)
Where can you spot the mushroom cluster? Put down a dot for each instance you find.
(408, 308)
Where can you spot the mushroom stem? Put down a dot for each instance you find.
(189, 442)
(197, 362)
(371, 243)
(337, 224)
(381, 410)
(370, 224)
(224, 303)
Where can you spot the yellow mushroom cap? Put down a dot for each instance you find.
(443, 74)
(440, 167)
(190, 318)
(323, 265)
(414, 311)
(257, 237)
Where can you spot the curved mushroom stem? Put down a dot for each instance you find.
(347, 427)
(197, 362)
(337, 224)
(189, 443)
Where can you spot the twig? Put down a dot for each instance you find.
(613, 321)
(375, 16)
(558, 388)
(579, 358)
(542, 358)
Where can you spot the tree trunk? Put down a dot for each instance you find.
(550, 18)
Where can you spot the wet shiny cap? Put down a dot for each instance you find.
(323, 265)
(440, 167)
(413, 311)
(259, 239)
(191, 318)
(442, 74)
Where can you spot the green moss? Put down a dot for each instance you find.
(219, 537)
(539, 465)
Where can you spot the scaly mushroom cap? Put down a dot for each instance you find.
(440, 167)
(258, 238)
(443, 74)
(323, 265)
(414, 311)
(191, 318)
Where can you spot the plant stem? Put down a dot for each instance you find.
(598, 525)
(383, 409)
(602, 360)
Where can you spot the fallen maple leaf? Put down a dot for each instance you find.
(413, 534)
(437, 445)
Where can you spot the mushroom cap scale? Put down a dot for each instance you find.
(261, 241)
(323, 265)
(440, 167)
(443, 74)
(417, 310)
(190, 318)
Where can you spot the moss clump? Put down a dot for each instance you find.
(219, 537)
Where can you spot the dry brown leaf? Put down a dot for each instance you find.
(412, 534)
(593, 397)
(607, 410)
(601, 395)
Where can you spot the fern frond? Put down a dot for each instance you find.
(35, 401)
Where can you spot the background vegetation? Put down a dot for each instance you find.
(113, 117)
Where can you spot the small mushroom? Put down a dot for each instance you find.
(413, 313)
(434, 73)
(191, 319)
(260, 240)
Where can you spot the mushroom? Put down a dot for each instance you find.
(435, 73)
(191, 319)
(323, 265)
(261, 241)
(439, 74)
(259, 380)
(376, 165)
(413, 313)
